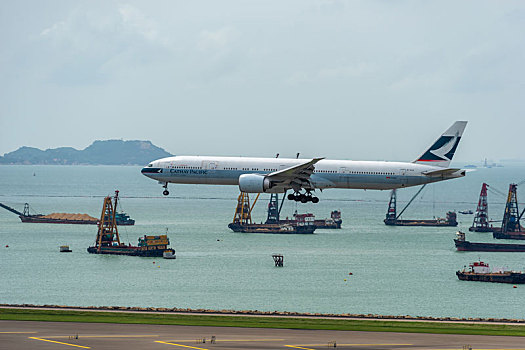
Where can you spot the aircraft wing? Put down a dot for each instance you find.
(297, 176)
(440, 172)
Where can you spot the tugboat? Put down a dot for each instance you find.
(480, 271)
(123, 219)
(108, 240)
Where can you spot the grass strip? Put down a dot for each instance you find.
(261, 322)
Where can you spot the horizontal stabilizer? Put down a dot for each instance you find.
(441, 172)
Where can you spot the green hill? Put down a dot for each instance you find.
(108, 152)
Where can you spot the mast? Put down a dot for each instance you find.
(242, 212)
(511, 216)
(391, 215)
(107, 233)
(273, 209)
(481, 219)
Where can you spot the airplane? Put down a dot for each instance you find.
(278, 175)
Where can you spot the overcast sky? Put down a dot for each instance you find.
(378, 80)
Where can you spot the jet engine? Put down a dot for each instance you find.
(254, 183)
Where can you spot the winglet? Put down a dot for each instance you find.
(442, 151)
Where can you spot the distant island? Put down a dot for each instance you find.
(108, 152)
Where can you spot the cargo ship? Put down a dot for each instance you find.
(481, 272)
(465, 246)
(108, 239)
(64, 218)
(392, 218)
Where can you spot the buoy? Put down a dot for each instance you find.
(7, 245)
(345, 279)
(158, 266)
(350, 274)
(154, 262)
(514, 286)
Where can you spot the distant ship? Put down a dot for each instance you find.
(466, 212)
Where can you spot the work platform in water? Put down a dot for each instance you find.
(108, 239)
(242, 220)
(510, 226)
(392, 218)
(299, 223)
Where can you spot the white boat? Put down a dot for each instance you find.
(169, 254)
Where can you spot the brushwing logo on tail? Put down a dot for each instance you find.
(443, 150)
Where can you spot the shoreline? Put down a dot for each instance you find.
(257, 313)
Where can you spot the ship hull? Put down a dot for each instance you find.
(319, 224)
(41, 220)
(127, 250)
(481, 229)
(466, 246)
(509, 235)
(420, 223)
(272, 228)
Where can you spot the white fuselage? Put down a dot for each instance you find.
(376, 175)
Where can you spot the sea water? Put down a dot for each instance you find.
(394, 270)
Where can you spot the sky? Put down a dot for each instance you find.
(376, 80)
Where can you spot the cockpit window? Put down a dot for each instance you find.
(150, 165)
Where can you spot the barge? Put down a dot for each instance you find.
(272, 228)
(465, 246)
(481, 272)
(65, 218)
(450, 220)
(108, 239)
(60, 218)
(392, 218)
(242, 219)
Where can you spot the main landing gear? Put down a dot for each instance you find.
(303, 198)
(165, 192)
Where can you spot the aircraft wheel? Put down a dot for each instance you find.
(304, 199)
(315, 200)
(291, 197)
(165, 192)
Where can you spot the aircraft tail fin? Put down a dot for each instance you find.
(442, 151)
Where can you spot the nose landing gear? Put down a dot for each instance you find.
(303, 198)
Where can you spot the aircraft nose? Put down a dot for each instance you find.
(148, 171)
